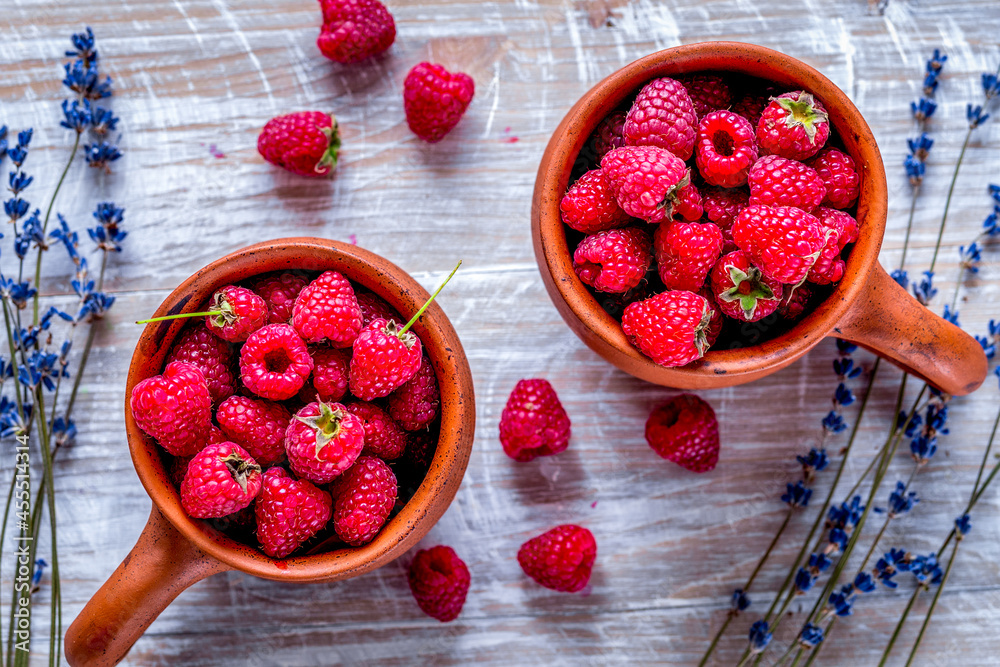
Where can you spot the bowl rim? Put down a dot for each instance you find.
(441, 345)
(719, 367)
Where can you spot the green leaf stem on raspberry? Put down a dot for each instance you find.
(240, 469)
(747, 288)
(802, 112)
(672, 194)
(328, 162)
(326, 424)
(403, 335)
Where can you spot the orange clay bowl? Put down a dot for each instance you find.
(174, 551)
(867, 307)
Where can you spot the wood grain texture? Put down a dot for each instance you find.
(195, 73)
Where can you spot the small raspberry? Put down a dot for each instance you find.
(845, 222)
(670, 328)
(840, 176)
(533, 422)
(688, 204)
(778, 181)
(684, 430)
(289, 512)
(220, 479)
(415, 404)
(794, 125)
(385, 357)
(782, 241)
(305, 143)
(741, 291)
(326, 308)
(708, 92)
(560, 559)
(609, 134)
(279, 291)
(645, 180)
(240, 313)
(726, 149)
(589, 205)
(363, 498)
(613, 261)
(354, 30)
(213, 357)
(175, 408)
(662, 115)
(794, 306)
(435, 99)
(686, 252)
(373, 307)
(751, 107)
(383, 437)
(275, 362)
(323, 440)
(256, 425)
(723, 206)
(439, 581)
(836, 227)
(330, 373)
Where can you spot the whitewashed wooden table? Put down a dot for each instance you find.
(191, 75)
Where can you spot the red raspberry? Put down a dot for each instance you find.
(751, 107)
(275, 362)
(305, 143)
(645, 180)
(439, 581)
(385, 357)
(373, 307)
(178, 465)
(613, 261)
(289, 512)
(783, 241)
(716, 320)
(330, 373)
(778, 181)
(560, 559)
(175, 408)
(279, 291)
(741, 291)
(213, 357)
(684, 430)
(708, 92)
(688, 205)
(670, 328)
(533, 422)
(326, 308)
(836, 228)
(839, 175)
(323, 440)
(794, 125)
(589, 205)
(726, 149)
(608, 134)
(415, 404)
(722, 206)
(220, 479)
(240, 313)
(383, 437)
(686, 252)
(663, 116)
(435, 100)
(845, 222)
(256, 425)
(363, 498)
(793, 307)
(354, 30)
(420, 448)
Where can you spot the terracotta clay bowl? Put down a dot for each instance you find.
(174, 551)
(867, 307)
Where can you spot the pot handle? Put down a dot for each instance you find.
(888, 321)
(161, 565)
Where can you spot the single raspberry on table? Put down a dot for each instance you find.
(838, 229)
(275, 362)
(279, 291)
(645, 180)
(305, 143)
(289, 511)
(330, 374)
(670, 328)
(615, 260)
(323, 440)
(709, 92)
(778, 181)
(383, 437)
(688, 203)
(560, 559)
(416, 403)
(609, 134)
(354, 30)
(686, 252)
(794, 125)
(794, 305)
(439, 581)
(662, 115)
(220, 479)
(174, 408)
(435, 99)
(256, 425)
(751, 106)
(723, 206)
(589, 205)
(373, 307)
(533, 422)
(213, 356)
(684, 430)
(238, 312)
(782, 241)
(840, 176)
(362, 500)
(742, 291)
(327, 309)
(726, 149)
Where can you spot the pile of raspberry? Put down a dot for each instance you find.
(710, 203)
(297, 416)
